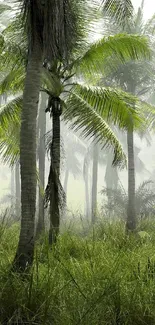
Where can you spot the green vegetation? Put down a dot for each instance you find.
(105, 277)
(98, 270)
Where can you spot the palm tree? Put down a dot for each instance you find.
(52, 189)
(144, 200)
(47, 38)
(17, 190)
(94, 182)
(93, 57)
(73, 148)
(41, 158)
(133, 78)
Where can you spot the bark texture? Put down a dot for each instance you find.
(53, 187)
(41, 156)
(25, 249)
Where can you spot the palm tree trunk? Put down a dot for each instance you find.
(25, 250)
(42, 152)
(66, 180)
(131, 212)
(55, 173)
(87, 195)
(17, 187)
(12, 183)
(94, 182)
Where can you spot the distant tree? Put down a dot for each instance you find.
(136, 78)
(144, 200)
(93, 57)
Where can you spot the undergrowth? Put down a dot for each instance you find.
(102, 277)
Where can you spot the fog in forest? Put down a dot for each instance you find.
(77, 162)
(77, 158)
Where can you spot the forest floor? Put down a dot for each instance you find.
(104, 277)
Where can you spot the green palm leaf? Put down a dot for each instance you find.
(52, 83)
(13, 81)
(120, 10)
(89, 121)
(147, 112)
(10, 112)
(9, 143)
(113, 105)
(4, 7)
(125, 47)
(10, 130)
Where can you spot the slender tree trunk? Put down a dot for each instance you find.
(25, 249)
(12, 183)
(12, 190)
(66, 180)
(131, 209)
(87, 196)
(131, 212)
(55, 172)
(111, 180)
(42, 152)
(94, 182)
(17, 187)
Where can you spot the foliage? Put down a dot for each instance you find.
(144, 200)
(113, 106)
(104, 278)
(120, 10)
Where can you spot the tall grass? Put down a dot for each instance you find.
(104, 277)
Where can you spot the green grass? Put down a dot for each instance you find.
(104, 277)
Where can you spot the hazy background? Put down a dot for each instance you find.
(75, 195)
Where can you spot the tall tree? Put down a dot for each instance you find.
(51, 25)
(125, 47)
(17, 190)
(136, 78)
(41, 158)
(94, 182)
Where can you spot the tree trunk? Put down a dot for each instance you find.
(55, 172)
(17, 183)
(111, 180)
(131, 212)
(12, 184)
(42, 152)
(94, 182)
(25, 250)
(87, 195)
(66, 180)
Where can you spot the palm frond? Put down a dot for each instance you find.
(144, 199)
(85, 117)
(52, 83)
(13, 82)
(113, 105)
(124, 47)
(142, 186)
(4, 7)
(9, 143)
(120, 10)
(14, 47)
(11, 112)
(149, 27)
(148, 113)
